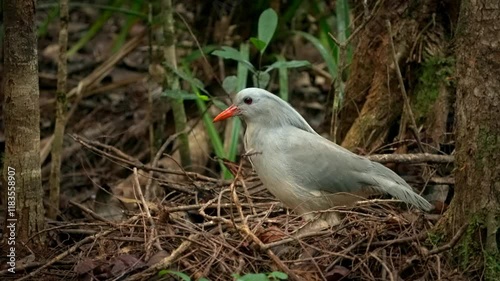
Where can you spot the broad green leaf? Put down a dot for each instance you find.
(261, 79)
(278, 275)
(288, 64)
(230, 84)
(233, 54)
(259, 44)
(268, 21)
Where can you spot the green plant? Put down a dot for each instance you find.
(268, 22)
(275, 275)
(266, 28)
(267, 25)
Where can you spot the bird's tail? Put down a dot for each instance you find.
(389, 182)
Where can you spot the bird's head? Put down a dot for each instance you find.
(258, 106)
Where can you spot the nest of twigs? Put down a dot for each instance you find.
(242, 229)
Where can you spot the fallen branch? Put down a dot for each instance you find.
(411, 158)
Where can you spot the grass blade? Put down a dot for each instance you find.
(327, 56)
(283, 78)
(131, 20)
(98, 24)
(242, 74)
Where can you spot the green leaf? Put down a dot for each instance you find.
(268, 21)
(343, 22)
(259, 44)
(242, 73)
(199, 53)
(183, 95)
(233, 54)
(283, 79)
(230, 84)
(278, 275)
(253, 277)
(261, 79)
(219, 104)
(202, 97)
(288, 64)
(327, 56)
(195, 82)
(181, 275)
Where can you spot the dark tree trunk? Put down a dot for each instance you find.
(477, 195)
(21, 165)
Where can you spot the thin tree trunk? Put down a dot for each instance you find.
(172, 81)
(477, 176)
(56, 159)
(21, 164)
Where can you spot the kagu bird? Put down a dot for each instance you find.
(301, 168)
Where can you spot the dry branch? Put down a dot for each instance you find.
(411, 158)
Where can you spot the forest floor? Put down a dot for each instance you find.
(200, 225)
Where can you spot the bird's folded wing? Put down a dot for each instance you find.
(319, 164)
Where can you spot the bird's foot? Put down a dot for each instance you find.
(315, 223)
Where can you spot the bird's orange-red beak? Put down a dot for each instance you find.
(229, 112)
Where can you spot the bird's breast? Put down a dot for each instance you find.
(269, 161)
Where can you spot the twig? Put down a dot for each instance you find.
(136, 163)
(92, 213)
(410, 262)
(407, 105)
(417, 237)
(452, 242)
(170, 139)
(154, 234)
(384, 265)
(246, 230)
(411, 158)
(70, 250)
(166, 262)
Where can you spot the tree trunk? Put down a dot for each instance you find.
(477, 194)
(21, 166)
(373, 100)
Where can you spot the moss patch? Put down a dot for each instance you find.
(435, 71)
(488, 143)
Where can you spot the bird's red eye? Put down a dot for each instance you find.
(248, 100)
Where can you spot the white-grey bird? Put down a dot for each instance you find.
(301, 168)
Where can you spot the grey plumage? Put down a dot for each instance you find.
(304, 170)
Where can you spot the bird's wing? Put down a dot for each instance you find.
(319, 164)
